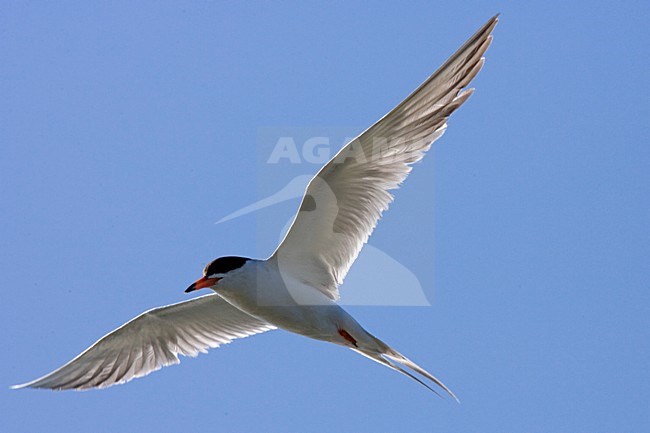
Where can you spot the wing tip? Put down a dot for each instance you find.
(486, 30)
(494, 20)
(32, 385)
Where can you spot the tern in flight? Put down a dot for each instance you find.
(296, 288)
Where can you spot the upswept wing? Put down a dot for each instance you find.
(346, 198)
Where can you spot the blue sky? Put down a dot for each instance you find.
(127, 130)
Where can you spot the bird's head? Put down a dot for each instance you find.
(215, 271)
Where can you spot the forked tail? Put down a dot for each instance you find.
(388, 354)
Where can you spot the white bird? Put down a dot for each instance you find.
(296, 288)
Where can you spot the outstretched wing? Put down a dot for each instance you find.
(344, 201)
(151, 341)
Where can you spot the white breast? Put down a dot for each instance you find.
(260, 290)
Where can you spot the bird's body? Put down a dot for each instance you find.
(296, 288)
(263, 291)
